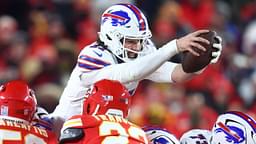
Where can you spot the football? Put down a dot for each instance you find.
(191, 63)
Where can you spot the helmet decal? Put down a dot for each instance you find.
(234, 127)
(233, 134)
(138, 14)
(248, 119)
(107, 97)
(160, 136)
(161, 140)
(119, 18)
(4, 110)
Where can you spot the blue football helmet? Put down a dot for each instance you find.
(196, 136)
(160, 136)
(121, 22)
(234, 128)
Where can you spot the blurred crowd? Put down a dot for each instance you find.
(40, 41)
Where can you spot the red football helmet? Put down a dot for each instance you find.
(17, 100)
(107, 97)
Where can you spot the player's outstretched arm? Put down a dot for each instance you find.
(133, 70)
(178, 74)
(142, 67)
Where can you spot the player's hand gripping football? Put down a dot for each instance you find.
(192, 40)
(217, 45)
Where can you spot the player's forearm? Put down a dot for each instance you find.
(145, 66)
(178, 75)
(134, 70)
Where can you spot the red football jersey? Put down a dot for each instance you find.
(101, 129)
(18, 133)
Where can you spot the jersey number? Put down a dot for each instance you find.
(106, 128)
(200, 139)
(12, 135)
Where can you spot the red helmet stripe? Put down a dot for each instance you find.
(225, 128)
(248, 119)
(138, 14)
(113, 16)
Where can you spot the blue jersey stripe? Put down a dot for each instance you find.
(87, 66)
(93, 60)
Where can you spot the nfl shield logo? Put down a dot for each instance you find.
(4, 110)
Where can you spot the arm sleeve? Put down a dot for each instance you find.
(133, 70)
(163, 73)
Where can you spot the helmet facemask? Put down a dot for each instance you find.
(132, 48)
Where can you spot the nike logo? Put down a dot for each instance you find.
(98, 54)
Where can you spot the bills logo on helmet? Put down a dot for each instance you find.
(138, 15)
(233, 134)
(118, 18)
(161, 140)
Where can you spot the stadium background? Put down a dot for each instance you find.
(40, 40)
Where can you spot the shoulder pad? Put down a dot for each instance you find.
(93, 51)
(93, 59)
(71, 134)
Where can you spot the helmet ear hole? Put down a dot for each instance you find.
(122, 40)
(88, 108)
(2, 88)
(109, 38)
(96, 88)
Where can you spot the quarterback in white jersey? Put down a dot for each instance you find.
(124, 52)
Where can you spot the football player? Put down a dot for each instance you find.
(17, 109)
(160, 136)
(103, 119)
(234, 128)
(124, 52)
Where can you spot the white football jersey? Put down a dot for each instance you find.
(95, 63)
